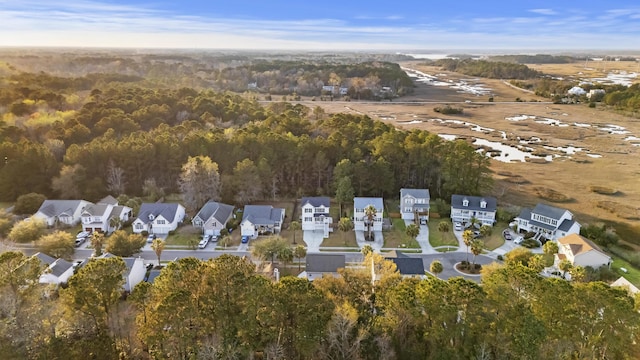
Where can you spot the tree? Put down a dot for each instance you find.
(412, 230)
(295, 226)
(199, 182)
(6, 223)
(578, 273)
(158, 246)
(285, 255)
(344, 191)
(246, 182)
(443, 226)
(370, 212)
(436, 267)
(300, 252)
(115, 179)
(537, 263)
(467, 237)
(28, 203)
(122, 244)
(564, 266)
(345, 225)
(473, 222)
(518, 255)
(97, 242)
(59, 244)
(151, 190)
(477, 246)
(70, 183)
(486, 230)
(366, 250)
(269, 248)
(550, 248)
(27, 230)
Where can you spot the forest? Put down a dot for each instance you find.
(59, 144)
(224, 309)
(489, 69)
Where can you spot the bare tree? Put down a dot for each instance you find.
(115, 179)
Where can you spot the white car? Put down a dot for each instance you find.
(457, 226)
(203, 243)
(518, 240)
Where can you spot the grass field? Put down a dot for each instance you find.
(632, 274)
(495, 240)
(340, 239)
(437, 238)
(397, 238)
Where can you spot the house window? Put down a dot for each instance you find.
(308, 210)
(139, 227)
(197, 222)
(161, 222)
(465, 202)
(308, 219)
(407, 209)
(483, 204)
(320, 210)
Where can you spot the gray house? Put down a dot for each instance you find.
(259, 219)
(319, 265)
(61, 211)
(414, 204)
(213, 217)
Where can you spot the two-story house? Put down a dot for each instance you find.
(66, 212)
(581, 251)
(465, 207)
(261, 219)
(414, 205)
(315, 215)
(361, 222)
(158, 218)
(213, 217)
(105, 216)
(548, 221)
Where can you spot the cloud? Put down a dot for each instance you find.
(543, 11)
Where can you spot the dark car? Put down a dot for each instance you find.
(507, 235)
(151, 237)
(245, 239)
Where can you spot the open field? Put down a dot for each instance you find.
(578, 149)
(437, 238)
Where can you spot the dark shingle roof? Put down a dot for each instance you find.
(474, 202)
(109, 200)
(548, 211)
(167, 210)
(56, 207)
(96, 210)
(325, 263)
(525, 213)
(409, 266)
(566, 225)
(316, 201)
(262, 214)
(416, 193)
(219, 211)
(44, 258)
(59, 267)
(363, 202)
(153, 274)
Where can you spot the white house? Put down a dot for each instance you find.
(315, 215)
(134, 273)
(57, 273)
(158, 218)
(213, 217)
(464, 207)
(100, 217)
(61, 211)
(548, 221)
(360, 220)
(260, 219)
(627, 285)
(414, 204)
(581, 251)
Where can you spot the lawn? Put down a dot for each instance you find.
(437, 238)
(340, 239)
(396, 236)
(632, 274)
(495, 240)
(288, 235)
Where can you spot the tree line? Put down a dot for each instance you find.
(131, 140)
(488, 69)
(225, 309)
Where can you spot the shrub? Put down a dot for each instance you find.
(448, 110)
(602, 190)
(144, 233)
(529, 235)
(500, 258)
(530, 243)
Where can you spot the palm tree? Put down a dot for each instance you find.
(115, 223)
(366, 250)
(476, 248)
(158, 246)
(564, 266)
(485, 230)
(345, 224)
(285, 255)
(443, 226)
(473, 221)
(294, 226)
(299, 252)
(412, 231)
(578, 273)
(550, 248)
(467, 237)
(436, 267)
(370, 212)
(97, 241)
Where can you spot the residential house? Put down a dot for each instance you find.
(57, 273)
(627, 285)
(158, 218)
(261, 219)
(464, 207)
(213, 217)
(360, 220)
(45, 259)
(547, 221)
(414, 204)
(315, 215)
(408, 267)
(319, 265)
(134, 273)
(67, 212)
(105, 216)
(581, 251)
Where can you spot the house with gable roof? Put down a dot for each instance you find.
(261, 219)
(105, 216)
(61, 211)
(360, 221)
(465, 207)
(408, 267)
(57, 273)
(547, 221)
(158, 218)
(315, 215)
(213, 217)
(581, 251)
(414, 204)
(134, 273)
(319, 265)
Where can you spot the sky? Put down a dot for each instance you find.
(406, 26)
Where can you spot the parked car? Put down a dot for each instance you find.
(151, 237)
(80, 241)
(245, 239)
(457, 226)
(205, 240)
(506, 234)
(518, 240)
(214, 238)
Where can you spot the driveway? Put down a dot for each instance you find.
(510, 245)
(376, 245)
(423, 238)
(313, 239)
(243, 247)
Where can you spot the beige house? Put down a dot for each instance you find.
(581, 251)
